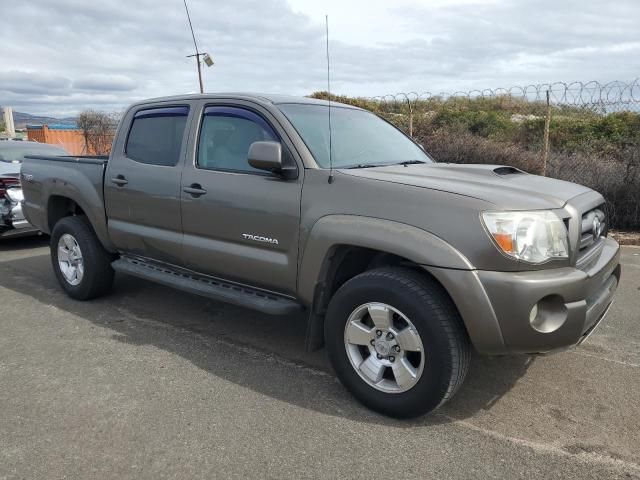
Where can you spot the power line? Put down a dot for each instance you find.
(191, 26)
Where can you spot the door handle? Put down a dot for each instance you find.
(119, 180)
(195, 190)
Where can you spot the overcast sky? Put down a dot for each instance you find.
(60, 57)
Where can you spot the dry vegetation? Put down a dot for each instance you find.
(98, 129)
(601, 151)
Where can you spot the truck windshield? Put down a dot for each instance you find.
(358, 138)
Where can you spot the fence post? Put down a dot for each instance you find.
(545, 147)
(410, 118)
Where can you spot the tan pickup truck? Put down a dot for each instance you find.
(403, 265)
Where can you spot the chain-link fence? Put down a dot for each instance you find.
(584, 132)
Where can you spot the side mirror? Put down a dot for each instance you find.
(266, 156)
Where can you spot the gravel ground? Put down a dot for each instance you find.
(153, 383)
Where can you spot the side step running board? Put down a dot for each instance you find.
(209, 287)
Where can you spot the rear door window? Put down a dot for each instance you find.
(156, 136)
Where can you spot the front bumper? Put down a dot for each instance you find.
(496, 306)
(576, 300)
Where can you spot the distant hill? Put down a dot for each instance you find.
(21, 120)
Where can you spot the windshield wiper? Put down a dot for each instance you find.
(371, 165)
(410, 162)
(364, 165)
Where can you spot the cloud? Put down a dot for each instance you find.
(27, 83)
(61, 57)
(105, 83)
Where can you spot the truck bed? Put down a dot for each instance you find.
(46, 179)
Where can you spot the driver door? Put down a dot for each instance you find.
(239, 223)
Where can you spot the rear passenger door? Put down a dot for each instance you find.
(243, 224)
(142, 183)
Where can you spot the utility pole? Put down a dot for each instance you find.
(205, 56)
(199, 72)
(197, 55)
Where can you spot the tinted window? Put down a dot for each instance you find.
(156, 136)
(358, 137)
(225, 137)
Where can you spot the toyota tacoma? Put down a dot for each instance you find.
(285, 204)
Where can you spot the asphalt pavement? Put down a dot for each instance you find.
(149, 382)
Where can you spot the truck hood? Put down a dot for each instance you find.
(505, 187)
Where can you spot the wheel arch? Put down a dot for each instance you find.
(60, 205)
(342, 246)
(331, 234)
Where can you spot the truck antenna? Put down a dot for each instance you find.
(326, 21)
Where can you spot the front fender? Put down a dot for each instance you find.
(448, 265)
(331, 231)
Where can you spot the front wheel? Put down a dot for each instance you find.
(396, 341)
(80, 262)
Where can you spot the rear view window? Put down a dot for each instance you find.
(156, 136)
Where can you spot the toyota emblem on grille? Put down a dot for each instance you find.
(597, 228)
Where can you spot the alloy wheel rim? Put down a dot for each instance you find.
(70, 259)
(384, 347)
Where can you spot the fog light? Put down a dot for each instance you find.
(549, 314)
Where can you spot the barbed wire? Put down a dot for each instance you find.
(599, 97)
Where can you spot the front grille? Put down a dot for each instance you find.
(589, 236)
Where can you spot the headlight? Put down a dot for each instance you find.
(533, 237)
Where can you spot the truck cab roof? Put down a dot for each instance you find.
(263, 98)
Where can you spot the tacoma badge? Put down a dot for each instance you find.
(258, 238)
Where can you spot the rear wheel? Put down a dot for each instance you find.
(82, 266)
(397, 341)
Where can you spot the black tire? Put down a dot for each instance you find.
(98, 274)
(435, 317)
